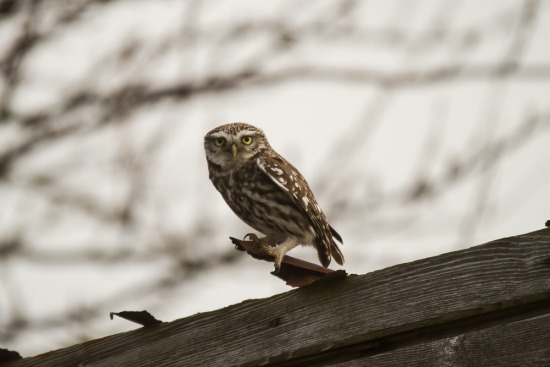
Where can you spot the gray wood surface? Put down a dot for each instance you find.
(411, 311)
(522, 343)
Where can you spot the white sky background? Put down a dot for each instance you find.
(360, 146)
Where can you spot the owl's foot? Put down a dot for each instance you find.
(252, 236)
(272, 246)
(266, 245)
(263, 243)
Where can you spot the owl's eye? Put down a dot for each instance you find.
(219, 142)
(247, 140)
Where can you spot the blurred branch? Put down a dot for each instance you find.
(485, 157)
(138, 96)
(407, 79)
(31, 36)
(424, 188)
(182, 271)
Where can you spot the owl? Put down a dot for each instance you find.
(268, 193)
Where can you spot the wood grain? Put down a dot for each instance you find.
(521, 343)
(414, 305)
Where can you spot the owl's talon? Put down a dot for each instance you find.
(262, 243)
(253, 237)
(278, 261)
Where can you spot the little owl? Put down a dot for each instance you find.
(268, 193)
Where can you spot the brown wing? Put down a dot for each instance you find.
(290, 181)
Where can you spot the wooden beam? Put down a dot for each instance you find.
(446, 301)
(519, 343)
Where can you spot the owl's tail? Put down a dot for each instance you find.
(336, 253)
(326, 253)
(334, 249)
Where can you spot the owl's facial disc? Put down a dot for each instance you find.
(230, 150)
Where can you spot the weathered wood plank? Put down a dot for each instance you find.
(522, 343)
(502, 279)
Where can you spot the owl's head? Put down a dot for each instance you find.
(231, 145)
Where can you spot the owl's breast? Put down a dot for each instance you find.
(260, 203)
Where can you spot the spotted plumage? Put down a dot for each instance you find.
(268, 193)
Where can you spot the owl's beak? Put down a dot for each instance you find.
(234, 150)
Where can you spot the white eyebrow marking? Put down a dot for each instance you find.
(246, 132)
(218, 134)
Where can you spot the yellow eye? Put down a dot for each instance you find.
(247, 140)
(219, 142)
